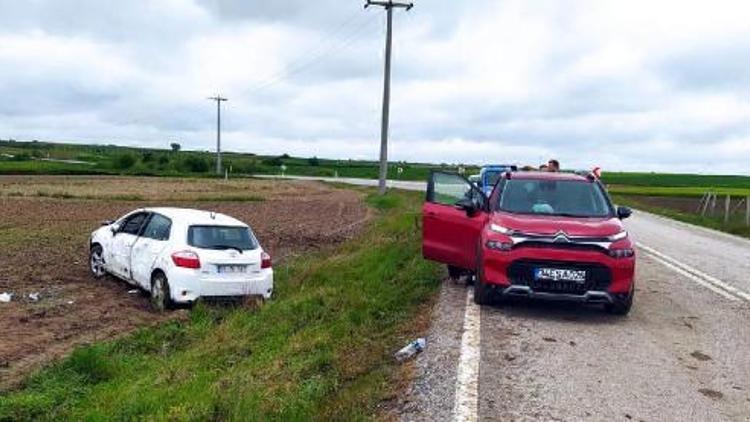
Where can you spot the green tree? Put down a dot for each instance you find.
(175, 146)
(124, 161)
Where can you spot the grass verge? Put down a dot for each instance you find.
(734, 227)
(320, 350)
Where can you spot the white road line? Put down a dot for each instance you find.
(466, 402)
(708, 281)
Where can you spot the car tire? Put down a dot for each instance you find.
(482, 292)
(96, 261)
(621, 306)
(160, 293)
(454, 272)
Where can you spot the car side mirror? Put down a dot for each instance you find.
(624, 212)
(470, 205)
(114, 229)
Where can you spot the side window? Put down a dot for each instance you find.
(158, 228)
(132, 225)
(447, 189)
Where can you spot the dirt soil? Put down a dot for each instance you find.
(44, 250)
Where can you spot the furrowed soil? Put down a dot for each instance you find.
(45, 223)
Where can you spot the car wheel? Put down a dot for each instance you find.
(96, 261)
(160, 296)
(482, 292)
(622, 304)
(454, 272)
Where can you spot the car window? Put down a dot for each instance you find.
(447, 189)
(132, 224)
(158, 227)
(554, 197)
(221, 237)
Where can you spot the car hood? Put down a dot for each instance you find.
(548, 224)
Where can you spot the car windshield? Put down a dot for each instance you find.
(570, 198)
(492, 176)
(221, 237)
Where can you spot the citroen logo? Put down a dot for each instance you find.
(561, 237)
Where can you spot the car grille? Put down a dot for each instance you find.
(598, 277)
(562, 246)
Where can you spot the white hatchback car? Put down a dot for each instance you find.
(180, 255)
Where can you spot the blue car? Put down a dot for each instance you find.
(490, 174)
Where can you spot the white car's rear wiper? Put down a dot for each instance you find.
(237, 248)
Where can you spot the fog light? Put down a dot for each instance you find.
(499, 246)
(621, 253)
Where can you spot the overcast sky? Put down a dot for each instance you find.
(628, 85)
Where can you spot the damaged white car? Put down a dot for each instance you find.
(181, 255)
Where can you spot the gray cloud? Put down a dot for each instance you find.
(595, 82)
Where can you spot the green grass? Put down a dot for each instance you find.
(320, 350)
(694, 191)
(734, 227)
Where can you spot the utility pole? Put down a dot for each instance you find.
(219, 99)
(388, 5)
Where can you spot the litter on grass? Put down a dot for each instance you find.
(34, 297)
(5, 297)
(411, 350)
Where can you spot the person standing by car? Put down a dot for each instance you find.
(553, 166)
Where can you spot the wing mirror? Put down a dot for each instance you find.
(471, 206)
(624, 212)
(115, 228)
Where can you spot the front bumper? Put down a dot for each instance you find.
(591, 296)
(612, 276)
(186, 287)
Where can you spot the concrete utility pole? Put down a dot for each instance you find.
(219, 99)
(388, 5)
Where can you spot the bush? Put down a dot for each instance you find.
(21, 157)
(194, 164)
(124, 161)
(313, 161)
(275, 162)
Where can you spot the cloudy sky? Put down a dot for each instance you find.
(628, 85)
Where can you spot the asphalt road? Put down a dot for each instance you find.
(682, 354)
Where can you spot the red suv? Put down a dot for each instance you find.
(538, 235)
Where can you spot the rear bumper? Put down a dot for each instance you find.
(187, 287)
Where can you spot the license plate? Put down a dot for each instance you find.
(232, 269)
(559, 274)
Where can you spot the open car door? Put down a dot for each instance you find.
(453, 215)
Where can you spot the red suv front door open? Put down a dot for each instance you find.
(449, 232)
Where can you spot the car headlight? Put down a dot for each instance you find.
(618, 236)
(500, 229)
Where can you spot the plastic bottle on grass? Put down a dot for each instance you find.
(411, 350)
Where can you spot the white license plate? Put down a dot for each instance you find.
(231, 269)
(559, 274)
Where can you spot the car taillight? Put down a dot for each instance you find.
(186, 259)
(621, 253)
(265, 260)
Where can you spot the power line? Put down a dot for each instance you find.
(311, 59)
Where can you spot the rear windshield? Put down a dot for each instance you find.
(568, 198)
(221, 237)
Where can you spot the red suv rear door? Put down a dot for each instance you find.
(449, 232)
